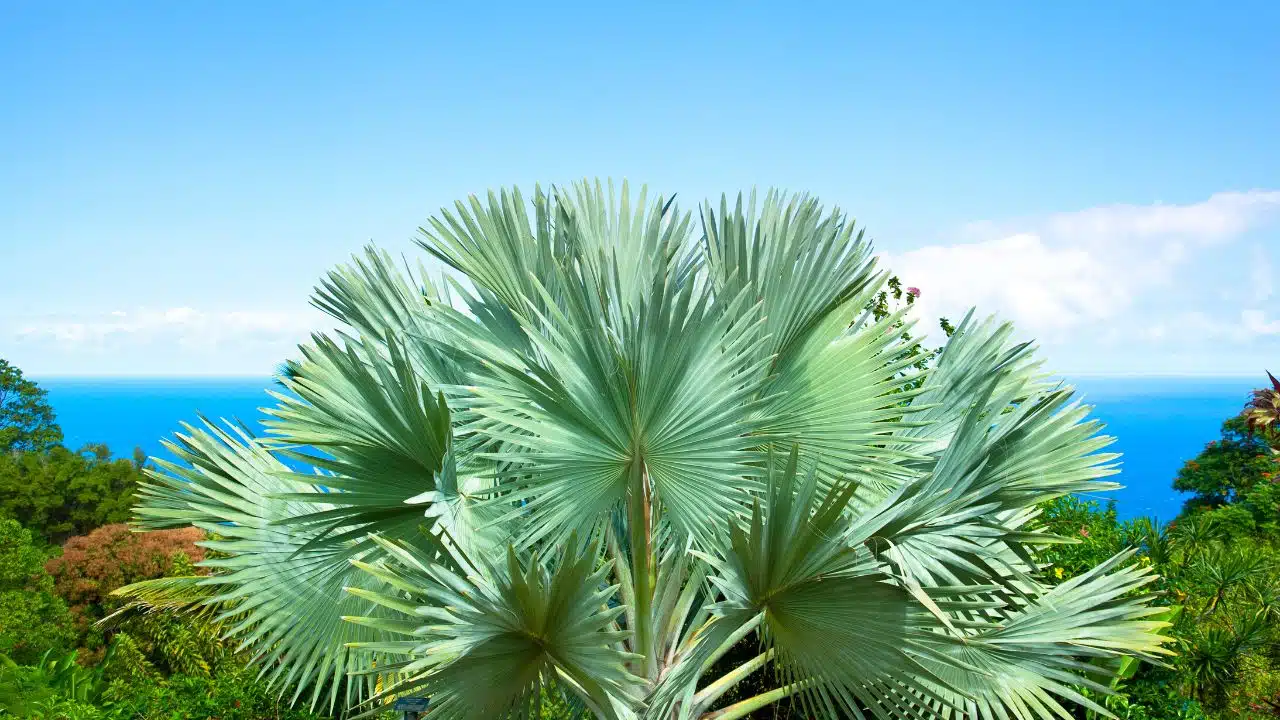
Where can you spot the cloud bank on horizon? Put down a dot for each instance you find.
(1120, 289)
(175, 341)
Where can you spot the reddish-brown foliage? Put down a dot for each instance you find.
(93, 565)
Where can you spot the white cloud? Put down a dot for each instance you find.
(1255, 322)
(1086, 273)
(179, 316)
(1028, 281)
(175, 340)
(1220, 217)
(1247, 325)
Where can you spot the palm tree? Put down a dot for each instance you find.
(616, 443)
(1262, 413)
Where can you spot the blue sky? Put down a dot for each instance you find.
(174, 177)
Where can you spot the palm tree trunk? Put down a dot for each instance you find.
(640, 520)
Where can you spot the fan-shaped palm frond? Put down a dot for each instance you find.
(556, 466)
(279, 588)
(494, 636)
(182, 593)
(853, 634)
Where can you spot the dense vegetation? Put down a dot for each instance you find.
(1219, 567)
(63, 551)
(1218, 562)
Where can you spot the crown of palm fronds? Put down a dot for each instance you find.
(1262, 413)
(618, 442)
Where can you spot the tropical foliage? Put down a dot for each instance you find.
(59, 688)
(33, 619)
(622, 441)
(26, 419)
(92, 566)
(132, 665)
(1263, 410)
(57, 493)
(1220, 591)
(155, 666)
(1219, 569)
(55, 679)
(1236, 479)
(53, 491)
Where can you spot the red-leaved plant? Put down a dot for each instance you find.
(112, 556)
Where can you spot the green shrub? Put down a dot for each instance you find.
(61, 492)
(32, 618)
(26, 690)
(1093, 532)
(58, 708)
(234, 694)
(91, 566)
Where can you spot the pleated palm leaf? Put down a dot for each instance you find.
(615, 442)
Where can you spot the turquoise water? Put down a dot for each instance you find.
(1158, 422)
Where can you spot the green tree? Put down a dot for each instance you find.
(33, 619)
(1227, 468)
(59, 493)
(26, 419)
(631, 441)
(1236, 481)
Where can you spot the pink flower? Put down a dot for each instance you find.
(1084, 531)
(913, 291)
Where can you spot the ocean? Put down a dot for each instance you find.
(1158, 422)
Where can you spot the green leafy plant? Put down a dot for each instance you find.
(55, 678)
(1212, 655)
(1226, 570)
(26, 418)
(58, 493)
(1217, 569)
(32, 618)
(617, 444)
(229, 694)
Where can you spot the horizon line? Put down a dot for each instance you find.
(259, 376)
